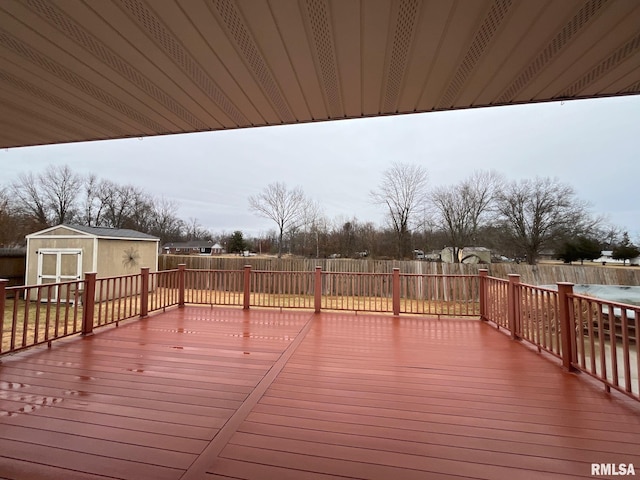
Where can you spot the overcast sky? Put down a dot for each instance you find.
(593, 145)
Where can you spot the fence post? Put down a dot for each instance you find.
(483, 273)
(144, 292)
(181, 282)
(317, 289)
(565, 289)
(395, 292)
(247, 287)
(513, 307)
(3, 298)
(88, 303)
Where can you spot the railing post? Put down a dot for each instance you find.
(3, 298)
(483, 273)
(317, 289)
(88, 303)
(144, 292)
(395, 292)
(181, 273)
(565, 289)
(513, 307)
(247, 287)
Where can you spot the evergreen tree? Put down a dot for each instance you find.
(236, 243)
(626, 250)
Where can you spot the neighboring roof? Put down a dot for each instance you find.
(100, 232)
(75, 70)
(190, 244)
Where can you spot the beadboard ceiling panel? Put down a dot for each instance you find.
(78, 70)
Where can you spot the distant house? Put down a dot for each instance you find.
(606, 256)
(194, 247)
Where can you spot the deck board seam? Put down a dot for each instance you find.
(209, 455)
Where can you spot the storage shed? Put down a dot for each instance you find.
(65, 252)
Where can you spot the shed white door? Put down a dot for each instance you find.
(56, 265)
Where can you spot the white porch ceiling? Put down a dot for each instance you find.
(76, 70)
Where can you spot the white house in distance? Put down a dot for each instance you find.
(65, 252)
(194, 247)
(606, 256)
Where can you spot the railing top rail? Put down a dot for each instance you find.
(114, 277)
(43, 285)
(626, 306)
(538, 287)
(497, 279)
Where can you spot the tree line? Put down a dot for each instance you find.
(58, 195)
(519, 220)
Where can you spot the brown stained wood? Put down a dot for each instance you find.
(410, 401)
(139, 401)
(132, 393)
(14, 469)
(575, 427)
(83, 462)
(169, 440)
(241, 469)
(226, 394)
(364, 396)
(415, 442)
(429, 458)
(96, 446)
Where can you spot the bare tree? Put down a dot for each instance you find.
(8, 220)
(461, 208)
(29, 197)
(285, 207)
(609, 235)
(403, 190)
(538, 212)
(118, 203)
(91, 205)
(50, 198)
(195, 231)
(61, 188)
(165, 223)
(310, 217)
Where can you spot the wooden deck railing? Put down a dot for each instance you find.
(594, 336)
(606, 341)
(32, 315)
(40, 314)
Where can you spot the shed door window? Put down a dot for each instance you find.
(59, 265)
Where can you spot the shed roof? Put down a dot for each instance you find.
(100, 232)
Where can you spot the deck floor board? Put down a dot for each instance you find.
(219, 393)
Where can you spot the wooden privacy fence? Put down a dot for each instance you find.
(541, 274)
(590, 335)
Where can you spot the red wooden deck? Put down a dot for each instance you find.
(201, 393)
